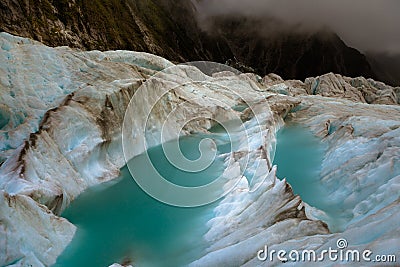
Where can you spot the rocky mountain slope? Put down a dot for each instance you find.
(161, 27)
(293, 55)
(169, 29)
(386, 67)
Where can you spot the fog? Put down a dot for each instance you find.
(368, 25)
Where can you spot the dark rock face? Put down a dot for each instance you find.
(292, 55)
(386, 67)
(168, 28)
(162, 27)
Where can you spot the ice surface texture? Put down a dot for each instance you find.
(61, 114)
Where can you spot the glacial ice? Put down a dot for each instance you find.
(61, 116)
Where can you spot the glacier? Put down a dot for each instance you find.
(62, 112)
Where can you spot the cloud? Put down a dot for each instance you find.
(368, 25)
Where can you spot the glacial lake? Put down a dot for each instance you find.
(118, 222)
(299, 156)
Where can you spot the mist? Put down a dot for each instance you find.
(367, 25)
